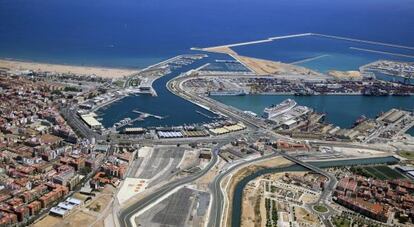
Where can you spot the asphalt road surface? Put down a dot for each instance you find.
(127, 213)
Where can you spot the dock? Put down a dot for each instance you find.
(206, 115)
(145, 115)
(128, 122)
(141, 117)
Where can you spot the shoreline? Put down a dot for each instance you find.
(99, 71)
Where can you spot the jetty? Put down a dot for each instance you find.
(382, 52)
(141, 117)
(363, 41)
(145, 115)
(309, 59)
(254, 41)
(206, 115)
(302, 35)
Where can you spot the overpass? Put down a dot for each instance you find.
(331, 179)
(328, 188)
(126, 214)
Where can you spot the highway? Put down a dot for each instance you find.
(217, 206)
(331, 179)
(174, 86)
(216, 209)
(329, 187)
(77, 124)
(175, 141)
(128, 212)
(254, 124)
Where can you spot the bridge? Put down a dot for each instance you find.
(328, 188)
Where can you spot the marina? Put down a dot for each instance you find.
(178, 110)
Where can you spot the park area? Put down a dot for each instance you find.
(381, 172)
(320, 208)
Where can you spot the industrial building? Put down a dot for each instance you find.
(91, 121)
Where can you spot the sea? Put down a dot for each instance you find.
(138, 33)
(324, 54)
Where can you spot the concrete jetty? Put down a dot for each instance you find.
(254, 41)
(206, 115)
(382, 52)
(302, 35)
(310, 59)
(363, 41)
(141, 117)
(145, 115)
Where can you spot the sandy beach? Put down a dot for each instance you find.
(80, 70)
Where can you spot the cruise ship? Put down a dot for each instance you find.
(283, 107)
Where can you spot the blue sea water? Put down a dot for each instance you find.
(324, 54)
(131, 33)
(342, 111)
(136, 33)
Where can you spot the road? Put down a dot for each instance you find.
(127, 213)
(253, 123)
(331, 179)
(217, 193)
(76, 123)
(175, 141)
(217, 206)
(175, 87)
(329, 187)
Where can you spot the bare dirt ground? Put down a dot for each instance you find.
(75, 219)
(264, 67)
(82, 216)
(306, 218)
(252, 201)
(203, 182)
(245, 171)
(345, 74)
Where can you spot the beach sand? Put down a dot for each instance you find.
(80, 70)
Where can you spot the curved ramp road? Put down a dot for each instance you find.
(217, 206)
(126, 214)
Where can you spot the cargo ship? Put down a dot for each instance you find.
(361, 119)
(276, 110)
